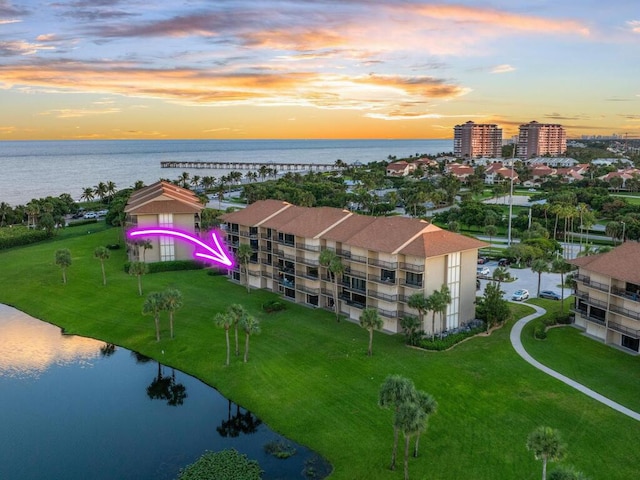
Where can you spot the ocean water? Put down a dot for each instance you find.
(35, 169)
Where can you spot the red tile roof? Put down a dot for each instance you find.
(163, 197)
(622, 263)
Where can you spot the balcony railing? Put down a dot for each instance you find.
(266, 236)
(265, 248)
(309, 248)
(309, 290)
(354, 258)
(382, 296)
(286, 256)
(388, 313)
(307, 276)
(626, 294)
(288, 243)
(308, 261)
(411, 267)
(416, 285)
(383, 264)
(631, 332)
(348, 286)
(591, 283)
(598, 320)
(625, 312)
(383, 280)
(352, 303)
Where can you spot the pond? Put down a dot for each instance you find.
(77, 408)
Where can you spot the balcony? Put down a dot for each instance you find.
(288, 243)
(383, 264)
(308, 261)
(412, 268)
(287, 283)
(355, 274)
(626, 294)
(286, 256)
(309, 290)
(266, 236)
(354, 258)
(307, 276)
(388, 313)
(352, 303)
(347, 285)
(590, 283)
(308, 248)
(416, 285)
(631, 332)
(382, 296)
(383, 280)
(265, 248)
(625, 312)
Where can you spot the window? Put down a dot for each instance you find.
(387, 275)
(167, 244)
(359, 284)
(630, 343)
(414, 279)
(453, 282)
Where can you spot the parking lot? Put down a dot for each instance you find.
(525, 278)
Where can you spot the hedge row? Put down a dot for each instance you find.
(171, 266)
(17, 236)
(449, 341)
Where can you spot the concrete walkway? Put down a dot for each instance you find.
(515, 337)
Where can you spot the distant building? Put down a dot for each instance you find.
(166, 205)
(607, 296)
(538, 139)
(497, 173)
(472, 140)
(400, 169)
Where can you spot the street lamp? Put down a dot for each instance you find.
(623, 228)
(511, 197)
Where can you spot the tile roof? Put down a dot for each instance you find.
(622, 263)
(392, 235)
(163, 197)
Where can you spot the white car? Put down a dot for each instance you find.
(520, 295)
(90, 215)
(483, 271)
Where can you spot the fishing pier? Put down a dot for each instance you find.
(318, 167)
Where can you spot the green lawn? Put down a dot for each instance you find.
(309, 378)
(608, 371)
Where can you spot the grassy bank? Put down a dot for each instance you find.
(309, 378)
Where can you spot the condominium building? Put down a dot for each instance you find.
(166, 205)
(539, 139)
(607, 299)
(472, 140)
(385, 259)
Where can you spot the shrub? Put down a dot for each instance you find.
(540, 332)
(113, 246)
(439, 344)
(172, 266)
(564, 319)
(224, 465)
(548, 321)
(274, 306)
(20, 235)
(86, 221)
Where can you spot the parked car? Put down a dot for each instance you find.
(520, 295)
(504, 262)
(550, 294)
(90, 215)
(482, 260)
(483, 271)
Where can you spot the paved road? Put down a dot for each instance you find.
(515, 337)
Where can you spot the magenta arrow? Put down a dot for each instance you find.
(214, 253)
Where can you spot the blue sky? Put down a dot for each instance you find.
(316, 69)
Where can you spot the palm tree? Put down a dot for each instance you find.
(500, 274)
(429, 406)
(102, 254)
(5, 211)
(545, 443)
(613, 229)
(237, 314)
(251, 326)
(100, 190)
(559, 265)
(146, 244)
(87, 194)
(138, 269)
(111, 189)
(539, 266)
(63, 260)
(439, 305)
(395, 391)
(371, 320)
(224, 320)
(153, 305)
(490, 231)
(172, 301)
(410, 419)
(183, 178)
(331, 261)
(243, 255)
(420, 303)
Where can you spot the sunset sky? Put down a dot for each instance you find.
(83, 69)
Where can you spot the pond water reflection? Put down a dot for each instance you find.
(76, 408)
